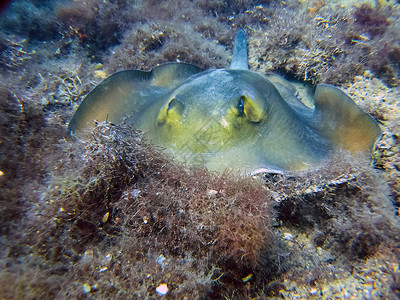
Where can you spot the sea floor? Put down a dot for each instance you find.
(113, 218)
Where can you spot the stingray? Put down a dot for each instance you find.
(230, 118)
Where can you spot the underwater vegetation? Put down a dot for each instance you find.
(110, 216)
(319, 45)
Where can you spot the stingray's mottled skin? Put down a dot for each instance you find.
(230, 118)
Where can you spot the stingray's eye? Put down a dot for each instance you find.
(240, 107)
(251, 109)
(171, 112)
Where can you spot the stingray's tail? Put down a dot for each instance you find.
(239, 58)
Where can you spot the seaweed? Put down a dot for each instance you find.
(349, 209)
(328, 45)
(34, 21)
(20, 129)
(372, 21)
(128, 203)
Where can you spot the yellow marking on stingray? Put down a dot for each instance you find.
(162, 115)
(252, 110)
(209, 133)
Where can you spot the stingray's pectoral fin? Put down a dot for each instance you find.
(285, 88)
(129, 93)
(342, 122)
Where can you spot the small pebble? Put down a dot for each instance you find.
(98, 66)
(161, 260)
(288, 236)
(86, 288)
(367, 74)
(212, 193)
(358, 78)
(105, 217)
(162, 289)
